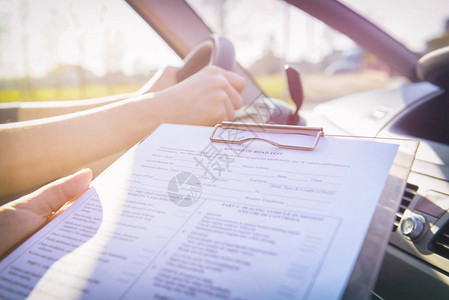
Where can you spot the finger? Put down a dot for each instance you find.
(66, 189)
(238, 82)
(235, 88)
(230, 110)
(234, 96)
(53, 196)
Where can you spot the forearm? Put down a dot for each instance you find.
(165, 77)
(37, 110)
(35, 152)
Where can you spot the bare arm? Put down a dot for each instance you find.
(164, 78)
(35, 152)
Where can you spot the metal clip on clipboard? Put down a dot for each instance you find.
(269, 128)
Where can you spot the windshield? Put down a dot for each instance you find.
(273, 34)
(420, 25)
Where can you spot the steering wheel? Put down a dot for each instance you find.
(434, 67)
(219, 51)
(216, 50)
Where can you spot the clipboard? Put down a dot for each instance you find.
(366, 269)
(365, 264)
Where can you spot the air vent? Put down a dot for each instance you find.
(409, 194)
(440, 242)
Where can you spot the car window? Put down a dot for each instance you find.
(64, 50)
(268, 36)
(404, 19)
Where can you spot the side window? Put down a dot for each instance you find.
(277, 33)
(66, 50)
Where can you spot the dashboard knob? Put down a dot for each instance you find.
(412, 226)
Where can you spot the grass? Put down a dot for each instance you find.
(273, 85)
(64, 93)
(317, 88)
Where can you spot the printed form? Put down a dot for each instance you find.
(179, 217)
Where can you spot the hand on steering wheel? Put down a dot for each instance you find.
(219, 51)
(215, 51)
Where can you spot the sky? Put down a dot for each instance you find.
(101, 35)
(106, 35)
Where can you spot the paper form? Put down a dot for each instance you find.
(179, 217)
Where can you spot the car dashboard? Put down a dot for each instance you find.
(416, 263)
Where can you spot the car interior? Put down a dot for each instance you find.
(416, 260)
(415, 265)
